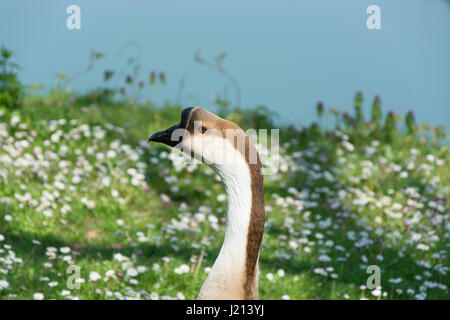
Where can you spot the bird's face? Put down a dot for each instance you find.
(205, 137)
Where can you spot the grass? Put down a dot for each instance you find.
(80, 186)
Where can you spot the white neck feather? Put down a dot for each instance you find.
(226, 278)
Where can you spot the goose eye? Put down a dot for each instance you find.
(203, 129)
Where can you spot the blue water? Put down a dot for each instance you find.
(286, 55)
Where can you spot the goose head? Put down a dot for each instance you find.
(208, 138)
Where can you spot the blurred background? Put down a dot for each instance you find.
(362, 177)
(286, 55)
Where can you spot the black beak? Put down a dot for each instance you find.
(165, 136)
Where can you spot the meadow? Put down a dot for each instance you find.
(90, 210)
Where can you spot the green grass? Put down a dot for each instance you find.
(81, 176)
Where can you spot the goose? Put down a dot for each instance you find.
(225, 147)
